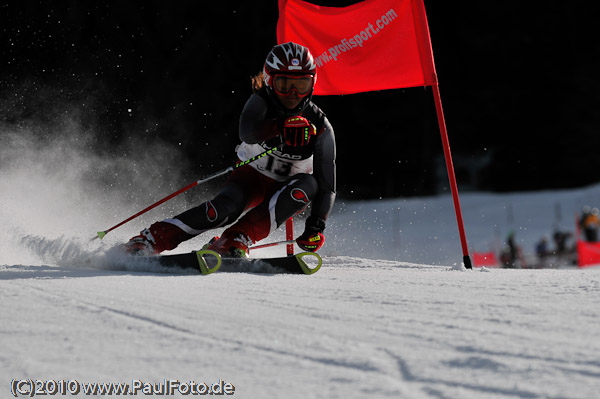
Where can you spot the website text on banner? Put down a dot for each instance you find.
(357, 40)
(372, 45)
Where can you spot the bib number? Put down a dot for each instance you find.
(278, 167)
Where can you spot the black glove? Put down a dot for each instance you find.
(312, 239)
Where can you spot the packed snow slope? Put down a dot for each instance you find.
(357, 329)
(391, 314)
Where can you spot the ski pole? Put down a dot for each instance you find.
(239, 164)
(272, 244)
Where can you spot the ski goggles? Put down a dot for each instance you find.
(284, 84)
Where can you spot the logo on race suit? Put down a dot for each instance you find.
(211, 212)
(300, 196)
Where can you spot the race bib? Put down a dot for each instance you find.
(278, 166)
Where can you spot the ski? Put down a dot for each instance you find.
(207, 262)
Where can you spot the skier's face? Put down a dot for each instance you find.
(291, 89)
(290, 101)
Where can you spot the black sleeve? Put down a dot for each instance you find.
(324, 172)
(254, 128)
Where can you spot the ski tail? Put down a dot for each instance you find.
(206, 264)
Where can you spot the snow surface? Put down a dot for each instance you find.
(391, 314)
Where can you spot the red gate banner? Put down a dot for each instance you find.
(371, 45)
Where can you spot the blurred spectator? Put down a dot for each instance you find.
(511, 255)
(584, 214)
(560, 241)
(541, 248)
(590, 222)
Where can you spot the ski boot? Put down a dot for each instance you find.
(230, 245)
(140, 245)
(159, 237)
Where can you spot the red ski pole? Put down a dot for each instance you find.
(272, 244)
(101, 234)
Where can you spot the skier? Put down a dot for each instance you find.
(280, 112)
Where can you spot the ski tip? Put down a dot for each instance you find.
(305, 266)
(101, 234)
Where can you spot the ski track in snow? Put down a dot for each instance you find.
(358, 328)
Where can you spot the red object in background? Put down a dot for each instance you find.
(588, 253)
(371, 45)
(481, 259)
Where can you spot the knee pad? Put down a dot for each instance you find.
(303, 188)
(292, 198)
(225, 208)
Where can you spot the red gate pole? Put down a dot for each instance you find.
(426, 53)
(289, 235)
(451, 176)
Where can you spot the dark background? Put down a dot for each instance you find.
(519, 87)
